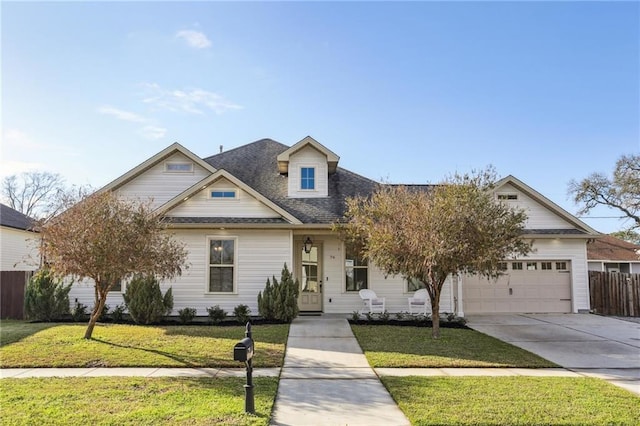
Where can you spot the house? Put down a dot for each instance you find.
(246, 212)
(18, 259)
(610, 254)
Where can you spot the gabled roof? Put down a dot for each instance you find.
(159, 157)
(283, 158)
(12, 218)
(553, 207)
(613, 249)
(223, 174)
(256, 165)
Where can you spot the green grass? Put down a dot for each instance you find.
(116, 345)
(512, 401)
(133, 401)
(390, 346)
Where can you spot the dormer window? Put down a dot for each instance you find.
(178, 167)
(228, 194)
(308, 178)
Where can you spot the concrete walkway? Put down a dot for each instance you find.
(326, 379)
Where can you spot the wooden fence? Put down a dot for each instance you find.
(12, 286)
(615, 293)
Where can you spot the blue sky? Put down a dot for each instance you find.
(406, 92)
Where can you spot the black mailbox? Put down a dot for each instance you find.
(243, 350)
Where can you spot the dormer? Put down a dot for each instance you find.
(307, 165)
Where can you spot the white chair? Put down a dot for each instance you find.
(420, 302)
(373, 302)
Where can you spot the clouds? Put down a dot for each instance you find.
(191, 101)
(195, 39)
(148, 131)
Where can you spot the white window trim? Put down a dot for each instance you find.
(315, 177)
(235, 264)
(234, 190)
(167, 163)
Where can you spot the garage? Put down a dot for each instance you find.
(531, 286)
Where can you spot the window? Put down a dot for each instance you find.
(116, 287)
(532, 266)
(356, 270)
(221, 265)
(545, 266)
(414, 284)
(561, 266)
(508, 197)
(223, 193)
(502, 266)
(307, 178)
(516, 266)
(175, 167)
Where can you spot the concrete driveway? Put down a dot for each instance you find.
(592, 345)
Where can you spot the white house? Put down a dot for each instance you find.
(611, 254)
(246, 212)
(18, 259)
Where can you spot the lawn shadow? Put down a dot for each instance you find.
(12, 331)
(185, 362)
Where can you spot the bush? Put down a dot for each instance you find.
(384, 316)
(355, 316)
(279, 301)
(117, 315)
(46, 298)
(145, 301)
(242, 312)
(187, 315)
(216, 314)
(79, 312)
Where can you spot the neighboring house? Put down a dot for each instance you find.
(611, 254)
(18, 259)
(246, 212)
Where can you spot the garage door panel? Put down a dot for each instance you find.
(533, 290)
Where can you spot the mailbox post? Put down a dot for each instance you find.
(243, 351)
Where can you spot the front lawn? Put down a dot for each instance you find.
(133, 401)
(512, 401)
(389, 346)
(117, 345)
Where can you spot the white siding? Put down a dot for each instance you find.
(260, 255)
(18, 250)
(308, 157)
(202, 205)
(161, 186)
(596, 266)
(635, 268)
(539, 216)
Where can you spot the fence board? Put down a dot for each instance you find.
(615, 293)
(12, 287)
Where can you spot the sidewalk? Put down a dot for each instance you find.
(326, 379)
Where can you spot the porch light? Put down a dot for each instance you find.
(307, 245)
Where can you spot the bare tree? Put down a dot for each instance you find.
(35, 194)
(456, 227)
(107, 239)
(620, 192)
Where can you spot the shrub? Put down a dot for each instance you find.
(216, 314)
(145, 301)
(242, 312)
(355, 316)
(79, 312)
(279, 301)
(400, 316)
(46, 298)
(117, 315)
(369, 316)
(187, 315)
(384, 316)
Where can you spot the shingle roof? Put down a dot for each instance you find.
(611, 248)
(224, 220)
(14, 219)
(256, 165)
(554, 232)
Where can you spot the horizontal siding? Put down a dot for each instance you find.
(539, 216)
(260, 255)
(202, 205)
(18, 250)
(308, 157)
(159, 186)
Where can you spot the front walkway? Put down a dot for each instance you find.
(326, 379)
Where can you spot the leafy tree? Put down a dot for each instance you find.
(108, 240)
(427, 235)
(620, 192)
(627, 235)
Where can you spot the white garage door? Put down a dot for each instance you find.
(527, 286)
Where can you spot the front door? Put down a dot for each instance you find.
(310, 298)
